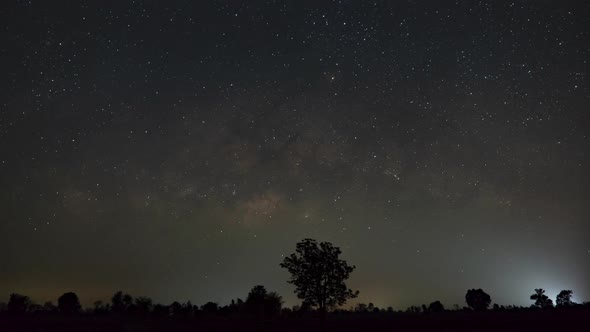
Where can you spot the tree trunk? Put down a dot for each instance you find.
(322, 311)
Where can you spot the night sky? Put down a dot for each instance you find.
(179, 150)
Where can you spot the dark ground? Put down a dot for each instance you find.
(548, 320)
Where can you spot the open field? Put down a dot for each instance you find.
(552, 320)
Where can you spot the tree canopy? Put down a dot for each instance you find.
(319, 274)
(436, 306)
(262, 303)
(69, 303)
(121, 302)
(564, 298)
(541, 300)
(18, 303)
(477, 299)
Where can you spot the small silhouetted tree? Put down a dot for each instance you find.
(143, 305)
(176, 308)
(273, 304)
(210, 307)
(69, 303)
(18, 303)
(541, 300)
(121, 302)
(101, 308)
(237, 306)
(127, 301)
(436, 306)
(254, 304)
(361, 307)
(262, 303)
(287, 312)
(319, 274)
(188, 309)
(564, 298)
(117, 302)
(477, 299)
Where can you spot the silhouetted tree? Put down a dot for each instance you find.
(143, 305)
(210, 307)
(18, 303)
(261, 303)
(319, 274)
(254, 304)
(361, 307)
(541, 300)
(117, 302)
(188, 309)
(436, 306)
(100, 307)
(287, 312)
(235, 306)
(176, 308)
(69, 303)
(121, 302)
(414, 309)
(477, 299)
(273, 304)
(564, 298)
(127, 301)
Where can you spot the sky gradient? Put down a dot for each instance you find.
(180, 150)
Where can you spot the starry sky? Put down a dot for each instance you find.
(180, 149)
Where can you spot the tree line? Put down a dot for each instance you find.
(259, 303)
(318, 274)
